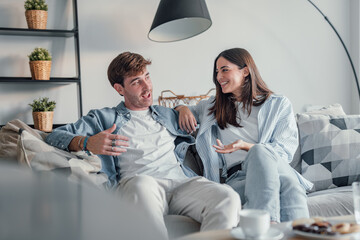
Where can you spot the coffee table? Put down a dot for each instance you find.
(285, 227)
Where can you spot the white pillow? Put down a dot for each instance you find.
(333, 110)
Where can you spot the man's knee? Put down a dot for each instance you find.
(231, 196)
(231, 204)
(140, 184)
(141, 181)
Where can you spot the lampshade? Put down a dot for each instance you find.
(179, 19)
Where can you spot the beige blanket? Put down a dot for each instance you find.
(25, 145)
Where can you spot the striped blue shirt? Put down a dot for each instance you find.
(276, 128)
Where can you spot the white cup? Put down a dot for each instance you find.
(254, 223)
(356, 195)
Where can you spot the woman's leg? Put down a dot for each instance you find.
(293, 200)
(270, 185)
(261, 188)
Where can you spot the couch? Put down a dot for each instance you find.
(328, 155)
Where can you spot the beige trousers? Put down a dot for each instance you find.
(214, 205)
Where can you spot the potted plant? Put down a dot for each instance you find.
(36, 14)
(40, 64)
(43, 113)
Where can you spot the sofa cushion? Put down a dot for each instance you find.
(330, 149)
(331, 202)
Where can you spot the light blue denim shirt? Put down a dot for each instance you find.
(276, 127)
(101, 119)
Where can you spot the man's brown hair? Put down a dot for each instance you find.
(124, 65)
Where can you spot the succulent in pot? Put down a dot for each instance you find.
(40, 64)
(36, 14)
(43, 113)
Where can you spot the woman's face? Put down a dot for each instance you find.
(230, 77)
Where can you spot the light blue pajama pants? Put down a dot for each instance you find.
(268, 183)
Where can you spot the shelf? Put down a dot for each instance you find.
(29, 80)
(37, 32)
(32, 125)
(61, 33)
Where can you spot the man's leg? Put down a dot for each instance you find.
(149, 197)
(214, 205)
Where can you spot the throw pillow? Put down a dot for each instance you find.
(330, 149)
(333, 110)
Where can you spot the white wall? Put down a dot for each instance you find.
(296, 51)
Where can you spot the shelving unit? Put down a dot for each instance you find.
(74, 33)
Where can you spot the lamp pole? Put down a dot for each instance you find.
(342, 42)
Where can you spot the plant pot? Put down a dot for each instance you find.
(43, 121)
(40, 70)
(36, 19)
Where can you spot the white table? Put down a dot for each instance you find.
(225, 234)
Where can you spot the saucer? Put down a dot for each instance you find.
(319, 236)
(272, 234)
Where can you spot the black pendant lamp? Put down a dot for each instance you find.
(179, 19)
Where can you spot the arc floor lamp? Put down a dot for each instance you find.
(342, 42)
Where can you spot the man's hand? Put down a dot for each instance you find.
(187, 120)
(232, 147)
(106, 143)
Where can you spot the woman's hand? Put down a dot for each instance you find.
(232, 147)
(187, 120)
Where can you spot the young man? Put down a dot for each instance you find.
(142, 150)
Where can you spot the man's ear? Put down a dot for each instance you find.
(119, 88)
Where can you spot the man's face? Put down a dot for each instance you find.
(137, 91)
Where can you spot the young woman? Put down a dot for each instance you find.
(255, 136)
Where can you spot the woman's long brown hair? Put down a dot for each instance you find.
(254, 90)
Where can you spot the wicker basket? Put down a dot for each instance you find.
(43, 121)
(36, 19)
(40, 70)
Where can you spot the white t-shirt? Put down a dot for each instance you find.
(151, 149)
(248, 133)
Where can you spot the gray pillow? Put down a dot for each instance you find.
(333, 110)
(330, 149)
